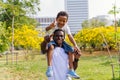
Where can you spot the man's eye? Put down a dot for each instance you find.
(56, 36)
(59, 36)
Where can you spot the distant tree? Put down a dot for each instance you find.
(15, 13)
(95, 37)
(96, 22)
(101, 20)
(114, 11)
(92, 23)
(27, 37)
(118, 22)
(85, 24)
(3, 38)
(20, 9)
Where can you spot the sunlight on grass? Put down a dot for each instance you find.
(90, 68)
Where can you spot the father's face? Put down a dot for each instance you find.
(59, 37)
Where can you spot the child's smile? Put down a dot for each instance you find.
(61, 21)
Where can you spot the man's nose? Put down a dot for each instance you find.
(59, 37)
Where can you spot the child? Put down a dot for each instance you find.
(61, 23)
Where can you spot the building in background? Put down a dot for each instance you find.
(44, 21)
(78, 12)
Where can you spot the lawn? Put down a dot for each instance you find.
(91, 67)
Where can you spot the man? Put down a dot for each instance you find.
(59, 57)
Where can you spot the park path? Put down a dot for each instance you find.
(6, 74)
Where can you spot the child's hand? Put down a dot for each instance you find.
(54, 24)
(77, 52)
(76, 48)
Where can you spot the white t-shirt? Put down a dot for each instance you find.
(60, 64)
(64, 28)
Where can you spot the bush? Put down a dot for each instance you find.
(98, 36)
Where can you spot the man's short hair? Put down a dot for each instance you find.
(59, 30)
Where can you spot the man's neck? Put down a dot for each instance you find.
(59, 45)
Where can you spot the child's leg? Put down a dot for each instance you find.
(71, 59)
(49, 71)
(50, 52)
(49, 55)
(71, 71)
(77, 55)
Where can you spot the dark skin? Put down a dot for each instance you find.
(58, 37)
(61, 21)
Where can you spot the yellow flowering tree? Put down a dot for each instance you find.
(95, 37)
(68, 41)
(27, 37)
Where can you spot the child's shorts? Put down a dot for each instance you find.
(65, 46)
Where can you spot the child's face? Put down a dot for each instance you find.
(61, 21)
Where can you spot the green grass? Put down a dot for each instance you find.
(90, 68)
(94, 68)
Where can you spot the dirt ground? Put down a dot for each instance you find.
(97, 53)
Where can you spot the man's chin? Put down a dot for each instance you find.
(59, 43)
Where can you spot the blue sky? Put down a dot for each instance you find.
(50, 8)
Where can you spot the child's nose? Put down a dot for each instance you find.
(62, 23)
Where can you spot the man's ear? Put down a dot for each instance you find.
(63, 38)
(53, 37)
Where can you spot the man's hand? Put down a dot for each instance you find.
(77, 55)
